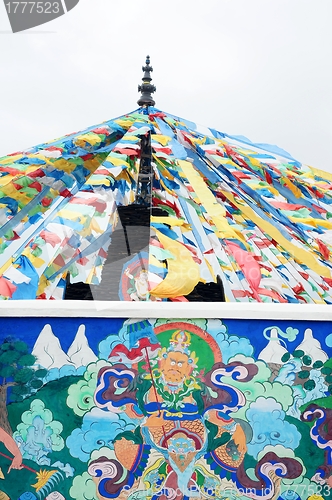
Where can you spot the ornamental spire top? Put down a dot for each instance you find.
(146, 88)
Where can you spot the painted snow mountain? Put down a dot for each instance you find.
(247, 213)
(49, 353)
(274, 350)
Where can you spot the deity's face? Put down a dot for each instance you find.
(175, 367)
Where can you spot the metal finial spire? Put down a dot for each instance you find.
(146, 88)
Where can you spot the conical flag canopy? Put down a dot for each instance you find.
(245, 215)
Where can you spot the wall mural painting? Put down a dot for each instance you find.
(97, 409)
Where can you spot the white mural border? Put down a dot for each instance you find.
(103, 309)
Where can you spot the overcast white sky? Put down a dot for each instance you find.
(259, 68)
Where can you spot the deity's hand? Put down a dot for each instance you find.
(127, 273)
(155, 421)
(16, 462)
(239, 439)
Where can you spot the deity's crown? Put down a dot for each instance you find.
(180, 342)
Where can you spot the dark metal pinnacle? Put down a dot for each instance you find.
(146, 88)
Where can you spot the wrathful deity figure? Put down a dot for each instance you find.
(173, 383)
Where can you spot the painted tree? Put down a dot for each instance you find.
(17, 377)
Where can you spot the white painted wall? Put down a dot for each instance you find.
(222, 310)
